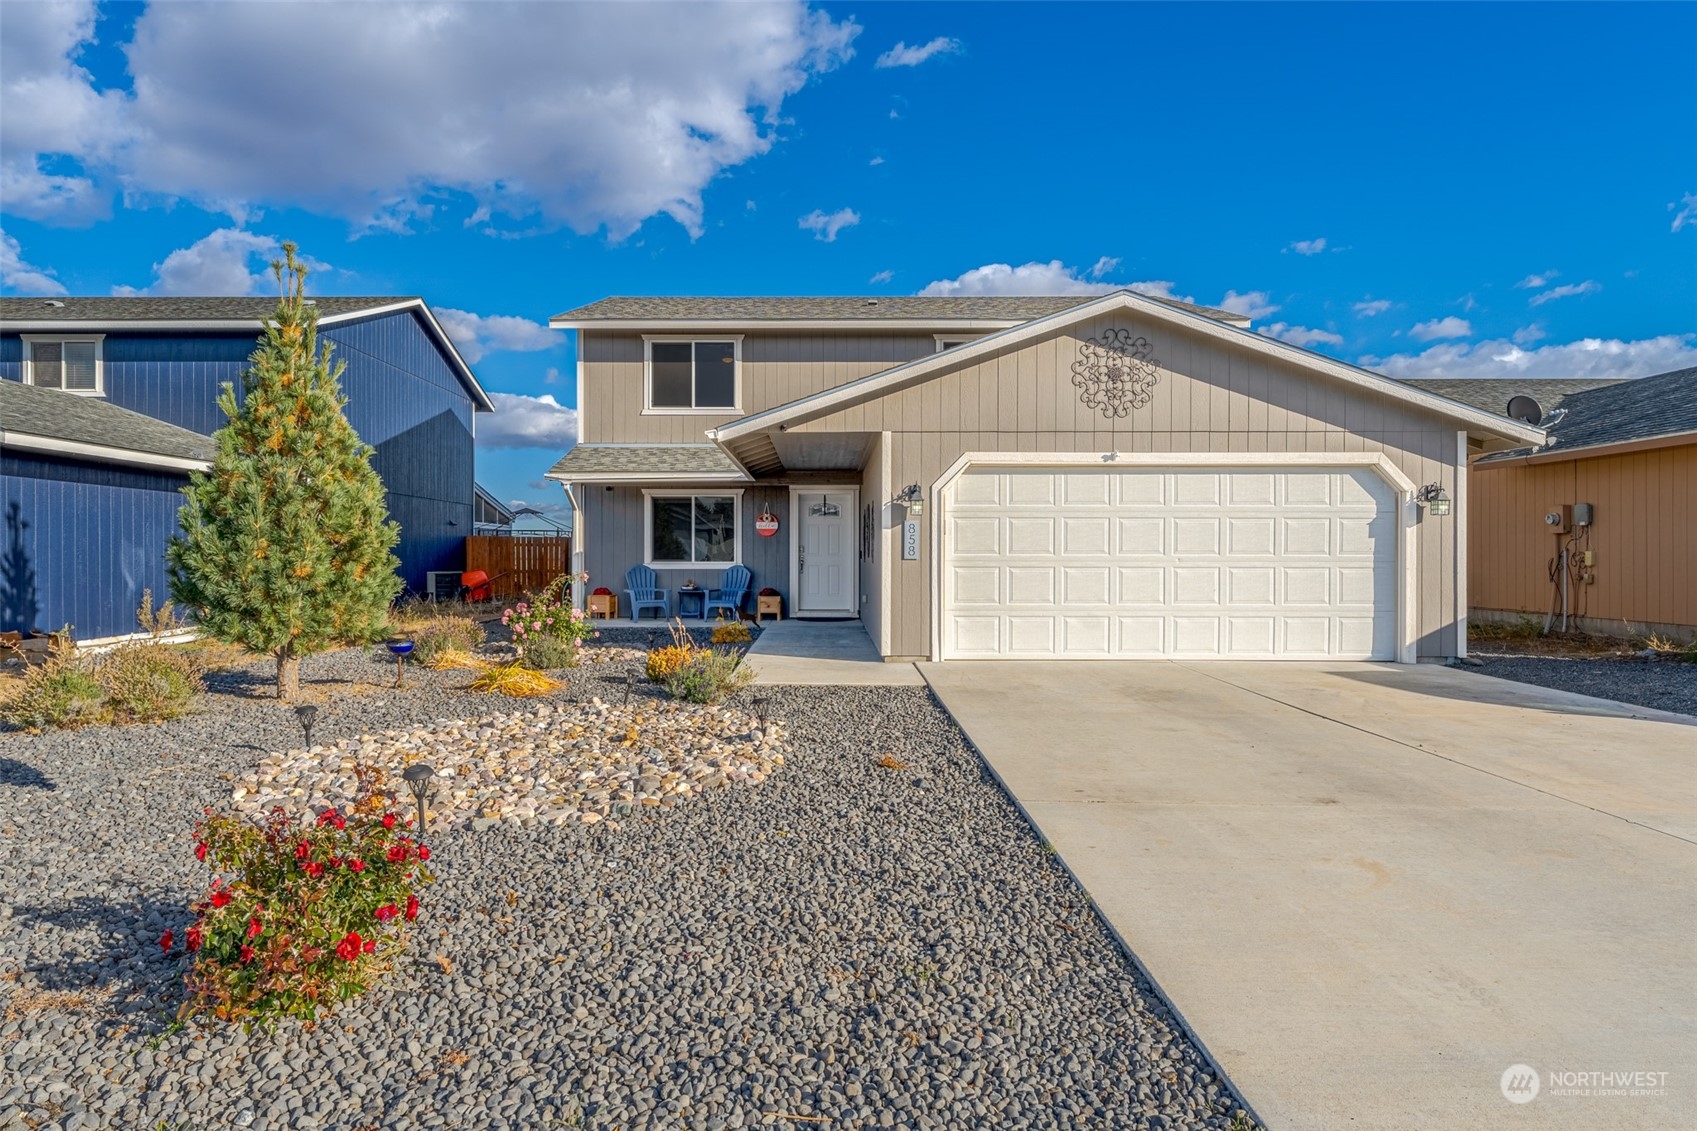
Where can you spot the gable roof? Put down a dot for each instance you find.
(963, 312)
(66, 424)
(74, 314)
(1492, 393)
(1621, 412)
(913, 372)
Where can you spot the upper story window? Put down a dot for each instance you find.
(71, 364)
(694, 375)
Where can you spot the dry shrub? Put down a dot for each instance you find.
(61, 693)
(456, 659)
(664, 662)
(732, 632)
(709, 675)
(442, 634)
(148, 683)
(515, 680)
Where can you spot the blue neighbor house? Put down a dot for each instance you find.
(105, 406)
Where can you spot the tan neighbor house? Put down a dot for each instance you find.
(1621, 455)
(1003, 477)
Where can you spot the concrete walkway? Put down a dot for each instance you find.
(1370, 889)
(822, 652)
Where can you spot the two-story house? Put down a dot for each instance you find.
(90, 491)
(1003, 477)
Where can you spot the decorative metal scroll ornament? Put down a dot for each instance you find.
(1116, 372)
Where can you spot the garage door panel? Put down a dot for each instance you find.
(975, 537)
(1246, 563)
(1030, 535)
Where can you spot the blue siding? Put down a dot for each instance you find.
(80, 541)
(404, 398)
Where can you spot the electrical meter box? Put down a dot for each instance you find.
(1559, 519)
(1582, 514)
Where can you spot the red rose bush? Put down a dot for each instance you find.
(302, 914)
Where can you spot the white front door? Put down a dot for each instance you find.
(825, 566)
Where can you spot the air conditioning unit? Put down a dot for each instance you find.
(1559, 519)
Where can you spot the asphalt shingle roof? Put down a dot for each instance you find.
(72, 309)
(1622, 411)
(884, 308)
(586, 461)
(55, 415)
(1492, 394)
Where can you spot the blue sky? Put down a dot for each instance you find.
(1433, 190)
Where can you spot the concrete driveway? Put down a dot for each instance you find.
(1370, 889)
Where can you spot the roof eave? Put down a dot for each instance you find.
(1558, 454)
(101, 453)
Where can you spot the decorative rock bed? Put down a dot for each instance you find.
(554, 764)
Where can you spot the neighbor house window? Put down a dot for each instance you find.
(950, 341)
(687, 529)
(70, 364)
(685, 375)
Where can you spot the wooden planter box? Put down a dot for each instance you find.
(604, 605)
(768, 606)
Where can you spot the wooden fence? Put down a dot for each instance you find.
(517, 566)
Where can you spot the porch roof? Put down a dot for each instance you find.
(632, 463)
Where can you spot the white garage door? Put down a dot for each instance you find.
(1231, 563)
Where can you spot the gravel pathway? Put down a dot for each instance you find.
(1667, 685)
(843, 945)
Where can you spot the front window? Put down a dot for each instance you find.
(691, 376)
(70, 364)
(692, 529)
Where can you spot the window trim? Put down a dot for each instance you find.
(99, 340)
(648, 497)
(648, 408)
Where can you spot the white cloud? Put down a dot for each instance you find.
(527, 422)
(478, 334)
(1588, 357)
(825, 227)
(1104, 265)
(1566, 290)
(1300, 335)
(1687, 213)
(1526, 335)
(1051, 278)
(551, 376)
(215, 265)
(1308, 247)
(605, 115)
(882, 276)
(1252, 304)
(876, 161)
(901, 55)
(1539, 279)
(20, 278)
(1368, 308)
(1450, 327)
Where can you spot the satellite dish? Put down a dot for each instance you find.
(1524, 409)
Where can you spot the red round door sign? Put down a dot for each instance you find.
(766, 525)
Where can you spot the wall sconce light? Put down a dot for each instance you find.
(911, 498)
(1433, 498)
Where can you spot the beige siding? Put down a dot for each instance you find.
(776, 369)
(1643, 538)
(1210, 398)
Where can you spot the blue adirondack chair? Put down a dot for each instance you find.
(732, 592)
(642, 592)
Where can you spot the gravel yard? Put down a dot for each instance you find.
(1667, 685)
(842, 945)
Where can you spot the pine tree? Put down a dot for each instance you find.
(285, 544)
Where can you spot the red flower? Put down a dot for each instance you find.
(356, 865)
(397, 854)
(200, 850)
(424, 852)
(412, 908)
(165, 941)
(254, 926)
(370, 946)
(387, 912)
(194, 939)
(348, 949)
(314, 869)
(247, 954)
(302, 850)
(220, 898)
(388, 820)
(332, 817)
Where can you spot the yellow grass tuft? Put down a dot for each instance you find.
(458, 660)
(515, 680)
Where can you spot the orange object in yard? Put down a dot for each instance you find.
(476, 585)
